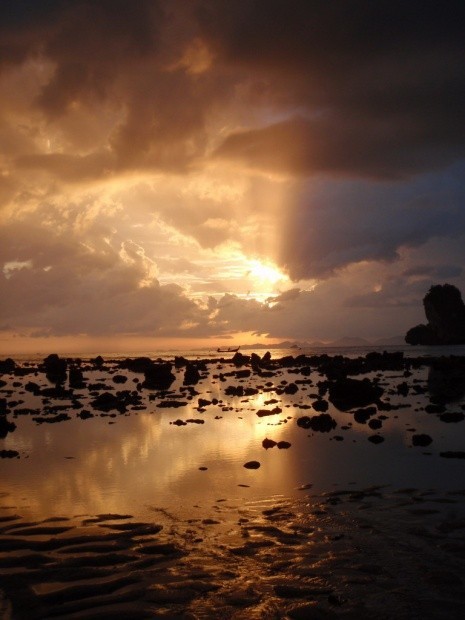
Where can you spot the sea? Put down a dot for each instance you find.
(183, 459)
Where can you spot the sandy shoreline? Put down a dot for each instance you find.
(376, 553)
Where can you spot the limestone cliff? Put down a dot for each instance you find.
(445, 312)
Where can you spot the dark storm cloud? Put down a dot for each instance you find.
(328, 226)
(371, 88)
(359, 87)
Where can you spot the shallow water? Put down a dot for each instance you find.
(139, 461)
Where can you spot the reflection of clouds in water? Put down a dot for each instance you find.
(142, 459)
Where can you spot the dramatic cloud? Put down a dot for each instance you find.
(206, 168)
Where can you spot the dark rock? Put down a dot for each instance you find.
(376, 439)
(265, 412)
(55, 368)
(435, 408)
(291, 388)
(9, 454)
(138, 364)
(158, 377)
(7, 366)
(351, 393)
(252, 465)
(320, 405)
(119, 401)
(192, 375)
(172, 404)
(363, 415)
(180, 362)
(452, 416)
(304, 421)
(268, 443)
(6, 426)
(375, 424)
(240, 360)
(119, 379)
(283, 445)
(421, 440)
(97, 361)
(61, 417)
(76, 378)
(85, 414)
(322, 423)
(403, 388)
(445, 312)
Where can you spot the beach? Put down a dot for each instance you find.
(301, 486)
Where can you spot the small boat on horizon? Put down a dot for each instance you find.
(228, 349)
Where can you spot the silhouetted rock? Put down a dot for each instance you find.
(445, 312)
(252, 465)
(158, 377)
(421, 440)
(363, 415)
(76, 378)
(9, 454)
(350, 393)
(138, 364)
(322, 423)
(55, 368)
(268, 443)
(240, 360)
(192, 375)
(6, 426)
(7, 366)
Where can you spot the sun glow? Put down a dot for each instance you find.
(265, 273)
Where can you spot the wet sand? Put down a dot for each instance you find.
(375, 553)
(349, 552)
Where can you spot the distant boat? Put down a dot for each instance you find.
(228, 349)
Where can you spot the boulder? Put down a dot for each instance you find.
(55, 368)
(158, 377)
(348, 394)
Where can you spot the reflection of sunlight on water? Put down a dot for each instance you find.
(142, 459)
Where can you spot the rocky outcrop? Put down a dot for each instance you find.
(445, 312)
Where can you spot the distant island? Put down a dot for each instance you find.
(346, 341)
(445, 312)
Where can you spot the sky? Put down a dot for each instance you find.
(203, 172)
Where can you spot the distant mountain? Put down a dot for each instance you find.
(346, 341)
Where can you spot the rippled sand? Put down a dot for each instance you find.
(375, 553)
